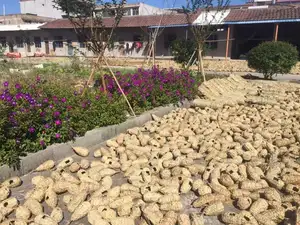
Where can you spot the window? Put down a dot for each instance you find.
(82, 45)
(127, 12)
(108, 13)
(135, 11)
(37, 42)
(58, 41)
(169, 38)
(137, 37)
(19, 42)
(82, 42)
(3, 41)
(211, 42)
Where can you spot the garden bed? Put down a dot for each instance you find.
(92, 139)
(40, 111)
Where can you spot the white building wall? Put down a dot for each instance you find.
(41, 8)
(220, 51)
(145, 9)
(124, 36)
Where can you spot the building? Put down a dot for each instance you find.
(138, 9)
(40, 8)
(17, 19)
(46, 8)
(240, 28)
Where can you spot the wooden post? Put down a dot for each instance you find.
(227, 42)
(186, 33)
(153, 51)
(276, 32)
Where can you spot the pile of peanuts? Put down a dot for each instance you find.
(245, 155)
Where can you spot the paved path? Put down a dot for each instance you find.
(285, 77)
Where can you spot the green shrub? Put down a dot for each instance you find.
(182, 50)
(271, 58)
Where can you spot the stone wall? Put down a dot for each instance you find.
(211, 65)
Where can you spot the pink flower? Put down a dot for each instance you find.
(42, 142)
(57, 135)
(56, 114)
(31, 129)
(57, 122)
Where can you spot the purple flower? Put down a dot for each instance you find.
(42, 142)
(31, 129)
(45, 100)
(8, 98)
(38, 79)
(57, 122)
(57, 135)
(63, 100)
(5, 84)
(75, 93)
(54, 98)
(18, 86)
(47, 126)
(42, 114)
(51, 106)
(56, 114)
(97, 97)
(18, 96)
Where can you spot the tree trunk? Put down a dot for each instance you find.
(200, 62)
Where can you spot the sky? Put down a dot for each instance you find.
(13, 6)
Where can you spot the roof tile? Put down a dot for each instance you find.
(130, 21)
(271, 13)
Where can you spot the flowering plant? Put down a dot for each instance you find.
(37, 113)
(154, 87)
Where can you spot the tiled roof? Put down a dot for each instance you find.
(277, 12)
(129, 21)
(271, 13)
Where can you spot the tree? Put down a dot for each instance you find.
(183, 50)
(87, 18)
(271, 58)
(211, 14)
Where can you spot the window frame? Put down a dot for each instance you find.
(168, 39)
(135, 10)
(214, 44)
(59, 41)
(19, 42)
(3, 41)
(37, 44)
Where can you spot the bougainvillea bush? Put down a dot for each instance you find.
(36, 113)
(155, 87)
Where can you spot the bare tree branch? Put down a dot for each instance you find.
(204, 17)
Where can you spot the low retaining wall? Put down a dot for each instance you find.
(91, 139)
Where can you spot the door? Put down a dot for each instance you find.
(70, 48)
(47, 47)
